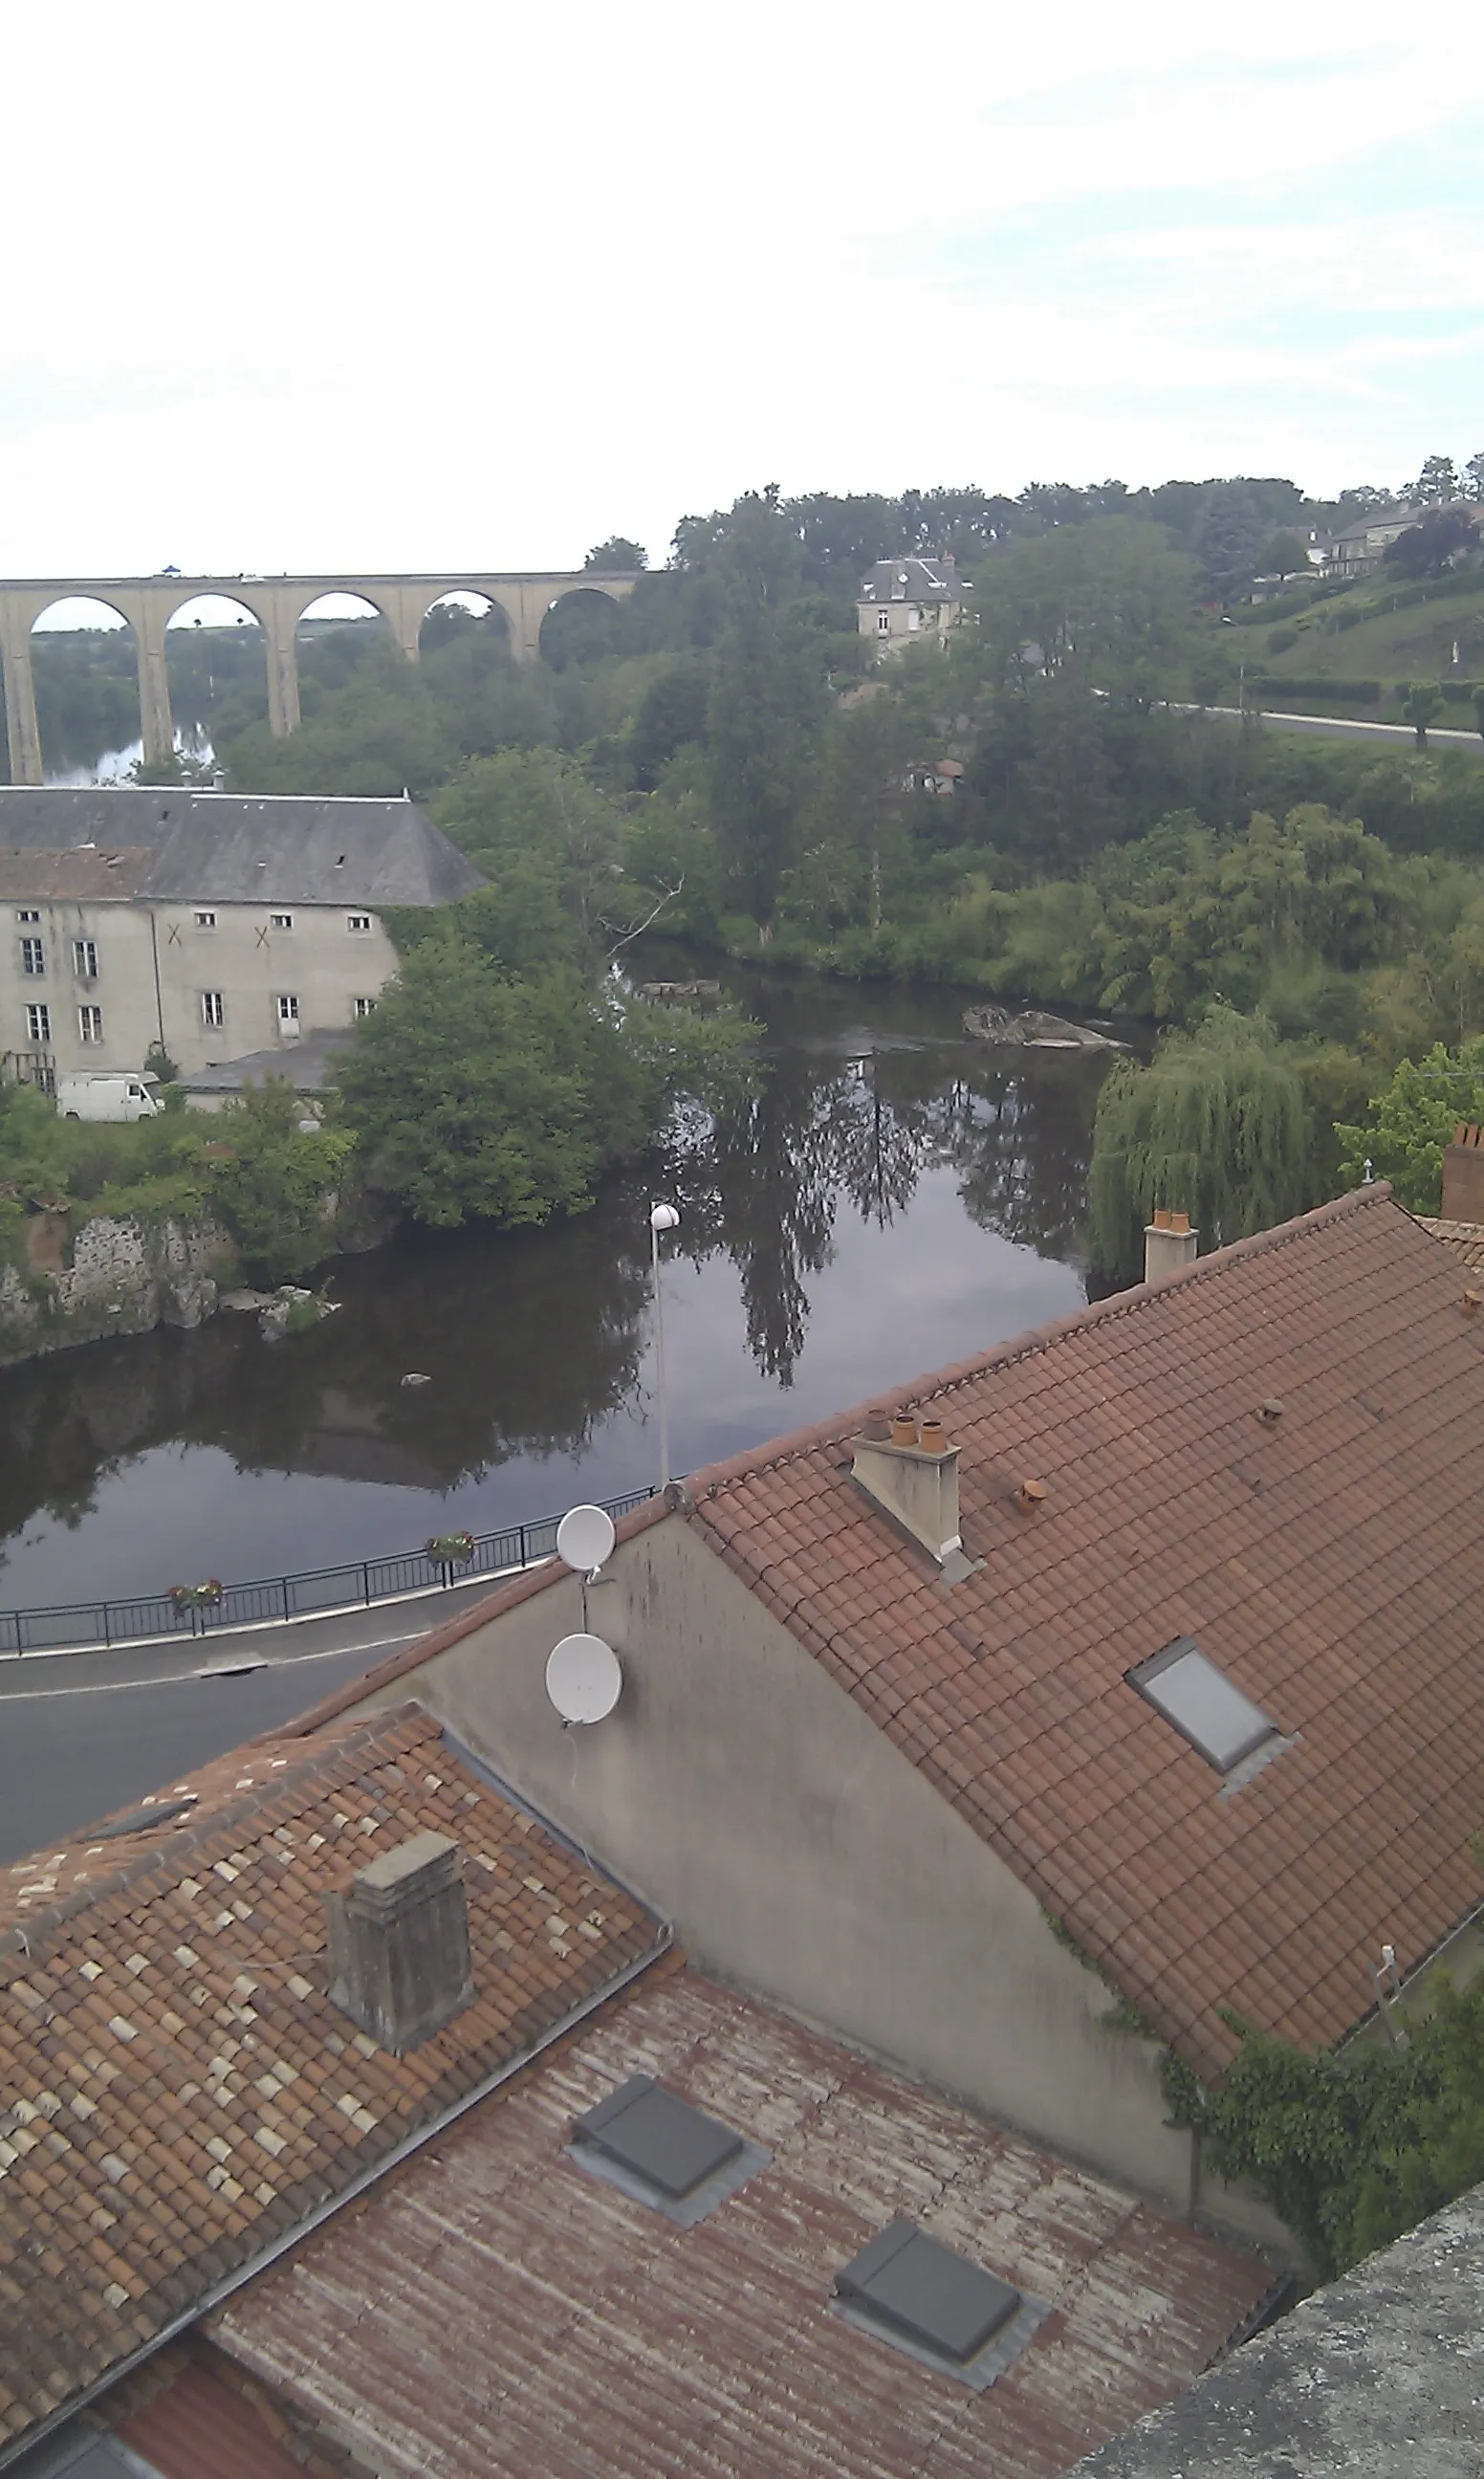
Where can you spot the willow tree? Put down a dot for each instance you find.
(1216, 1126)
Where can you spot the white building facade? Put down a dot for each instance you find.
(902, 600)
(236, 928)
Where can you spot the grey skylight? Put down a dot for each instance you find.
(1220, 1723)
(144, 1820)
(929, 2300)
(663, 2151)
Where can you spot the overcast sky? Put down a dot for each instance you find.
(307, 285)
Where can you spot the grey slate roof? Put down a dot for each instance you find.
(925, 580)
(230, 848)
(308, 1065)
(1379, 2375)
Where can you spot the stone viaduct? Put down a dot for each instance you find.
(277, 603)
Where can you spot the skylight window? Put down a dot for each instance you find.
(927, 2299)
(1218, 1721)
(662, 2151)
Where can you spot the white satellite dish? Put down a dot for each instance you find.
(585, 1538)
(583, 1677)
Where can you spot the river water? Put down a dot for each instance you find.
(895, 1198)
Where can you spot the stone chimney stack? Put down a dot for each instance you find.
(1169, 1242)
(399, 1943)
(912, 1471)
(1463, 1176)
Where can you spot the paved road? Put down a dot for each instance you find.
(84, 1733)
(1340, 727)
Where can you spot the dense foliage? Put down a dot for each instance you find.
(1355, 2147)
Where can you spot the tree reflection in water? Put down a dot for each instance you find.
(537, 1340)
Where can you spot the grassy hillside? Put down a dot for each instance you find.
(1379, 634)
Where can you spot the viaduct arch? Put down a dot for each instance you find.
(149, 603)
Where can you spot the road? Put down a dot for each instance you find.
(82, 1734)
(1340, 727)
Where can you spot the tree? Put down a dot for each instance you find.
(1229, 539)
(616, 555)
(1216, 1126)
(276, 1190)
(1436, 484)
(1411, 1120)
(764, 718)
(1429, 548)
(1474, 477)
(1284, 556)
(475, 1097)
(1423, 702)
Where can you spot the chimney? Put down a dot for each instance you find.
(399, 1943)
(913, 1474)
(1463, 1176)
(1169, 1242)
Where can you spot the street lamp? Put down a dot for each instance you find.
(662, 1217)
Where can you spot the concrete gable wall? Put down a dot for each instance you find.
(745, 1796)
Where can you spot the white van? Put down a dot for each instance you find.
(107, 1094)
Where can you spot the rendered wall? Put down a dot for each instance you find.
(799, 1851)
(326, 965)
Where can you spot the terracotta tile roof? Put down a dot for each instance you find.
(1331, 1562)
(177, 2091)
(493, 2309)
(74, 877)
(192, 2423)
(1465, 1239)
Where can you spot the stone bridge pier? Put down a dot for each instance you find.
(278, 603)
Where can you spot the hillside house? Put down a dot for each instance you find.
(901, 599)
(213, 925)
(1131, 1679)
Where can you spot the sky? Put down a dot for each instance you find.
(311, 286)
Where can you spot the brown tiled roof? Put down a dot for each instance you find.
(177, 2092)
(192, 2423)
(1465, 1239)
(74, 877)
(1331, 1562)
(492, 2312)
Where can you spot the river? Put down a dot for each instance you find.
(895, 1198)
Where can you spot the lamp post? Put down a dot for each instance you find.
(662, 1217)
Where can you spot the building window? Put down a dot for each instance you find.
(90, 1023)
(28, 915)
(281, 920)
(1222, 1724)
(206, 921)
(883, 624)
(39, 1023)
(364, 1007)
(288, 1008)
(84, 959)
(213, 1011)
(358, 921)
(33, 958)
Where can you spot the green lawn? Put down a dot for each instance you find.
(1440, 640)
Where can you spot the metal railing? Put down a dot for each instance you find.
(274, 1600)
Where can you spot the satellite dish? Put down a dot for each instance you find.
(583, 1676)
(585, 1538)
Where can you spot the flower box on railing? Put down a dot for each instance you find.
(449, 1549)
(204, 1596)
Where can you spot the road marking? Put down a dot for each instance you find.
(193, 1677)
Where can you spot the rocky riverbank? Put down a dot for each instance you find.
(111, 1275)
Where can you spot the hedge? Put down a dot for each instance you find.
(1297, 684)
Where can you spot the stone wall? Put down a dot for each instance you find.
(126, 1276)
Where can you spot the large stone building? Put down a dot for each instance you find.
(211, 924)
